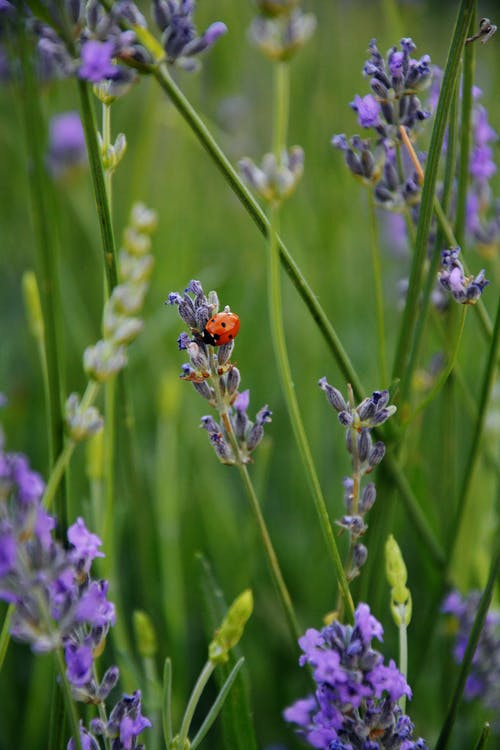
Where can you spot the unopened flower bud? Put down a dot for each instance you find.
(81, 424)
(231, 629)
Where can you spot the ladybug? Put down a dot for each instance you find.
(221, 328)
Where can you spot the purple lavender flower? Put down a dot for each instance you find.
(464, 289)
(216, 379)
(96, 61)
(179, 36)
(359, 421)
(368, 110)
(57, 605)
(355, 703)
(125, 723)
(483, 681)
(66, 144)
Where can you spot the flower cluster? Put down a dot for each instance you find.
(84, 39)
(216, 379)
(483, 681)
(365, 455)
(180, 39)
(274, 181)
(483, 213)
(392, 105)
(57, 604)
(355, 703)
(281, 28)
(464, 289)
(120, 323)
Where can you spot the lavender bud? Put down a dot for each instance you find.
(198, 356)
(354, 524)
(366, 409)
(204, 390)
(233, 380)
(104, 360)
(81, 424)
(221, 447)
(359, 555)
(208, 423)
(348, 483)
(345, 418)
(364, 444)
(333, 395)
(240, 424)
(255, 436)
(377, 454)
(111, 677)
(224, 353)
(368, 498)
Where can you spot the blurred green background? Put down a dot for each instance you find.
(204, 233)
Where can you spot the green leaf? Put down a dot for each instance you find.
(237, 724)
(217, 705)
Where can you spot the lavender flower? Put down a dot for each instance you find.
(355, 702)
(280, 35)
(216, 379)
(66, 144)
(483, 681)
(57, 604)
(464, 289)
(392, 104)
(180, 39)
(359, 421)
(274, 180)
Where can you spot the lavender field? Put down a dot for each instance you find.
(249, 396)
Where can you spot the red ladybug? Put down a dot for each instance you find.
(221, 329)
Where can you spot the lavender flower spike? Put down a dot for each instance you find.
(464, 289)
(356, 693)
(180, 39)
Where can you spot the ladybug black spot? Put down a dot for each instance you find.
(223, 325)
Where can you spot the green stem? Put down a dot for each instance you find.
(278, 336)
(466, 133)
(403, 659)
(281, 98)
(466, 663)
(194, 698)
(98, 180)
(279, 581)
(47, 262)
(106, 143)
(444, 375)
(68, 699)
(486, 390)
(5, 634)
(379, 294)
(67, 451)
(410, 315)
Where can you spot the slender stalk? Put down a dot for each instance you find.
(68, 699)
(379, 294)
(5, 634)
(98, 180)
(194, 699)
(466, 134)
(279, 581)
(403, 658)
(281, 97)
(67, 451)
(444, 375)
(486, 390)
(46, 245)
(410, 314)
(482, 611)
